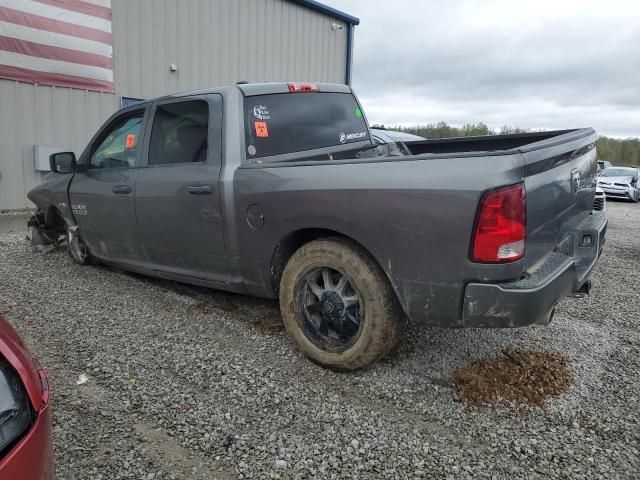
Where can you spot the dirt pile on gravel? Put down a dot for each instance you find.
(522, 377)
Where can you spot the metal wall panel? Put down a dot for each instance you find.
(213, 42)
(42, 115)
(219, 42)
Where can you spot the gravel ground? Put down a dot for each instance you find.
(190, 383)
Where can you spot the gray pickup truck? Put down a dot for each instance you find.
(278, 190)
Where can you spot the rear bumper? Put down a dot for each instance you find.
(532, 299)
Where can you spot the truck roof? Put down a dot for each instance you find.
(250, 89)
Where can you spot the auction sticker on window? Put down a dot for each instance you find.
(131, 141)
(261, 129)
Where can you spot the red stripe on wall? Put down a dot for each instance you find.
(57, 79)
(80, 7)
(43, 23)
(40, 50)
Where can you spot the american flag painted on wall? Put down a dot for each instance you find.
(57, 42)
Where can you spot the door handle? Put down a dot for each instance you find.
(200, 189)
(121, 189)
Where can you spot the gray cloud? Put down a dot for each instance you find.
(543, 64)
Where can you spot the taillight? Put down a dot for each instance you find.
(303, 87)
(500, 227)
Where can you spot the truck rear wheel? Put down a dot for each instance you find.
(337, 305)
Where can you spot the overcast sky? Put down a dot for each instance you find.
(533, 64)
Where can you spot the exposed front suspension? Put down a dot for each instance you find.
(46, 231)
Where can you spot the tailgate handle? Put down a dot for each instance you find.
(200, 189)
(121, 189)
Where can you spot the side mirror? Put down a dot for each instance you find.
(63, 162)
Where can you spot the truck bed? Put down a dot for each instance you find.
(489, 143)
(416, 213)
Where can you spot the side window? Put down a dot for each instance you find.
(119, 146)
(179, 133)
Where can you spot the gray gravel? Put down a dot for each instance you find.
(190, 383)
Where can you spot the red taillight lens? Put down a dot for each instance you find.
(303, 87)
(500, 226)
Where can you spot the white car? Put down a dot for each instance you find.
(620, 182)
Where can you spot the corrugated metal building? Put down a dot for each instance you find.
(166, 46)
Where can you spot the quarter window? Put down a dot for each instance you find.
(179, 133)
(119, 146)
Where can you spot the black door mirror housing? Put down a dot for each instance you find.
(63, 162)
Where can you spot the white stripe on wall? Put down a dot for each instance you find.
(102, 3)
(59, 14)
(54, 66)
(54, 39)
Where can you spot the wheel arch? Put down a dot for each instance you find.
(346, 348)
(54, 217)
(294, 240)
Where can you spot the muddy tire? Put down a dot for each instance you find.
(337, 305)
(77, 249)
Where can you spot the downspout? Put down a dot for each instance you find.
(347, 79)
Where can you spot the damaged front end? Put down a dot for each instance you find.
(47, 231)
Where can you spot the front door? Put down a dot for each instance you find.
(177, 194)
(102, 192)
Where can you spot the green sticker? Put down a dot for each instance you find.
(358, 112)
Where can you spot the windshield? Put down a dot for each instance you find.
(617, 172)
(295, 122)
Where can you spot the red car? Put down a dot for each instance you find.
(25, 416)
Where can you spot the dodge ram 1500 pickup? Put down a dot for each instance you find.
(278, 190)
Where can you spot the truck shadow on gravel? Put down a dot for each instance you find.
(261, 314)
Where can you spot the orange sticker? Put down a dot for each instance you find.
(261, 129)
(131, 141)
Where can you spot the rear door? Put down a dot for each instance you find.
(102, 194)
(177, 193)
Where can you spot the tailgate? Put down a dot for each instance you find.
(560, 184)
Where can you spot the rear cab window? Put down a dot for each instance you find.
(284, 123)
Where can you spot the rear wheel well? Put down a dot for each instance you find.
(288, 245)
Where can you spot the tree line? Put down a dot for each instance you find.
(617, 151)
